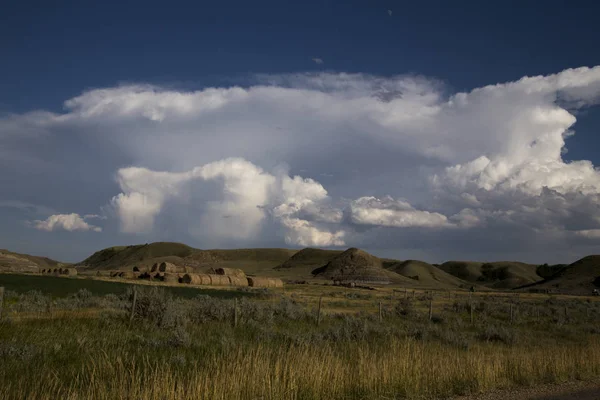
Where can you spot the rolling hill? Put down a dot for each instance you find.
(355, 265)
(260, 261)
(495, 275)
(428, 275)
(546, 271)
(580, 278)
(126, 257)
(16, 262)
(145, 255)
(309, 257)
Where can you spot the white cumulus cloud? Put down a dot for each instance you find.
(589, 233)
(225, 162)
(394, 213)
(67, 222)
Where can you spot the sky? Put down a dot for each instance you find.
(427, 130)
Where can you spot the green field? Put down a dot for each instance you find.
(64, 286)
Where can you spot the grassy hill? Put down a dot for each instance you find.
(547, 271)
(496, 275)
(428, 275)
(259, 261)
(580, 277)
(319, 264)
(252, 261)
(16, 262)
(469, 271)
(122, 257)
(309, 257)
(359, 266)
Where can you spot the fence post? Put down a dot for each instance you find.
(511, 313)
(405, 293)
(1, 300)
(566, 313)
(235, 312)
(49, 307)
(471, 311)
(133, 305)
(319, 310)
(431, 307)
(380, 314)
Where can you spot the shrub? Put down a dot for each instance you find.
(358, 296)
(179, 337)
(205, 308)
(82, 299)
(32, 301)
(498, 334)
(158, 307)
(460, 306)
(454, 338)
(405, 308)
(19, 351)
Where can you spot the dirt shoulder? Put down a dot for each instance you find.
(588, 390)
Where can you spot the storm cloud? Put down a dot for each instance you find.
(398, 165)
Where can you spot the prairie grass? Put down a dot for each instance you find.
(395, 368)
(86, 347)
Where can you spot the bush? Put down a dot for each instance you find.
(158, 307)
(405, 308)
(179, 337)
(358, 296)
(82, 299)
(32, 301)
(290, 309)
(454, 338)
(498, 334)
(19, 351)
(205, 308)
(460, 306)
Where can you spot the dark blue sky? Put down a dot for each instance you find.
(52, 51)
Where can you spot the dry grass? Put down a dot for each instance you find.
(179, 349)
(398, 369)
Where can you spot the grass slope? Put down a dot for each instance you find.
(427, 275)
(358, 265)
(121, 257)
(580, 277)
(496, 275)
(547, 271)
(310, 257)
(469, 271)
(259, 261)
(301, 264)
(16, 262)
